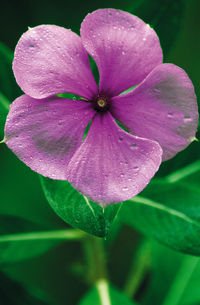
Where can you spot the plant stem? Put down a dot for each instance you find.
(138, 269)
(102, 288)
(70, 234)
(95, 259)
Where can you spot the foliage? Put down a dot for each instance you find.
(33, 248)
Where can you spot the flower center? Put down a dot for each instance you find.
(101, 104)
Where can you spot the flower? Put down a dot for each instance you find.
(46, 131)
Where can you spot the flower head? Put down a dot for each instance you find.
(46, 131)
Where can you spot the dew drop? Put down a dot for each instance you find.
(122, 175)
(130, 179)
(156, 90)
(125, 188)
(144, 39)
(187, 118)
(120, 139)
(123, 53)
(170, 115)
(133, 145)
(136, 168)
(60, 123)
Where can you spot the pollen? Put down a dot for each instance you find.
(101, 103)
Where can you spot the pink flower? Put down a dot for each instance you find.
(46, 131)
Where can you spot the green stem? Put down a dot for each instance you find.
(181, 280)
(43, 235)
(138, 269)
(95, 259)
(103, 291)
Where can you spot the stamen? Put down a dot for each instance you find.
(101, 103)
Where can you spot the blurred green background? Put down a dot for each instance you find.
(52, 278)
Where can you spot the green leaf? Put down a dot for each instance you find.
(178, 278)
(164, 17)
(77, 210)
(4, 108)
(21, 239)
(169, 210)
(8, 85)
(6, 75)
(13, 293)
(104, 294)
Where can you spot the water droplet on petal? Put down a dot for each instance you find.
(120, 139)
(122, 175)
(144, 39)
(133, 145)
(125, 188)
(170, 114)
(156, 90)
(136, 168)
(123, 53)
(187, 118)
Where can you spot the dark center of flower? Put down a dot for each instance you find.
(101, 104)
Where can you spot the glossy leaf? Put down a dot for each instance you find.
(103, 294)
(21, 239)
(77, 210)
(178, 278)
(169, 210)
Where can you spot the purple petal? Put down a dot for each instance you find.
(49, 60)
(111, 165)
(45, 133)
(124, 47)
(163, 108)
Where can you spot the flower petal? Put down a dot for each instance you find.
(124, 47)
(45, 133)
(162, 108)
(111, 165)
(49, 60)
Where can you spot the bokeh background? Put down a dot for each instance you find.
(53, 278)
